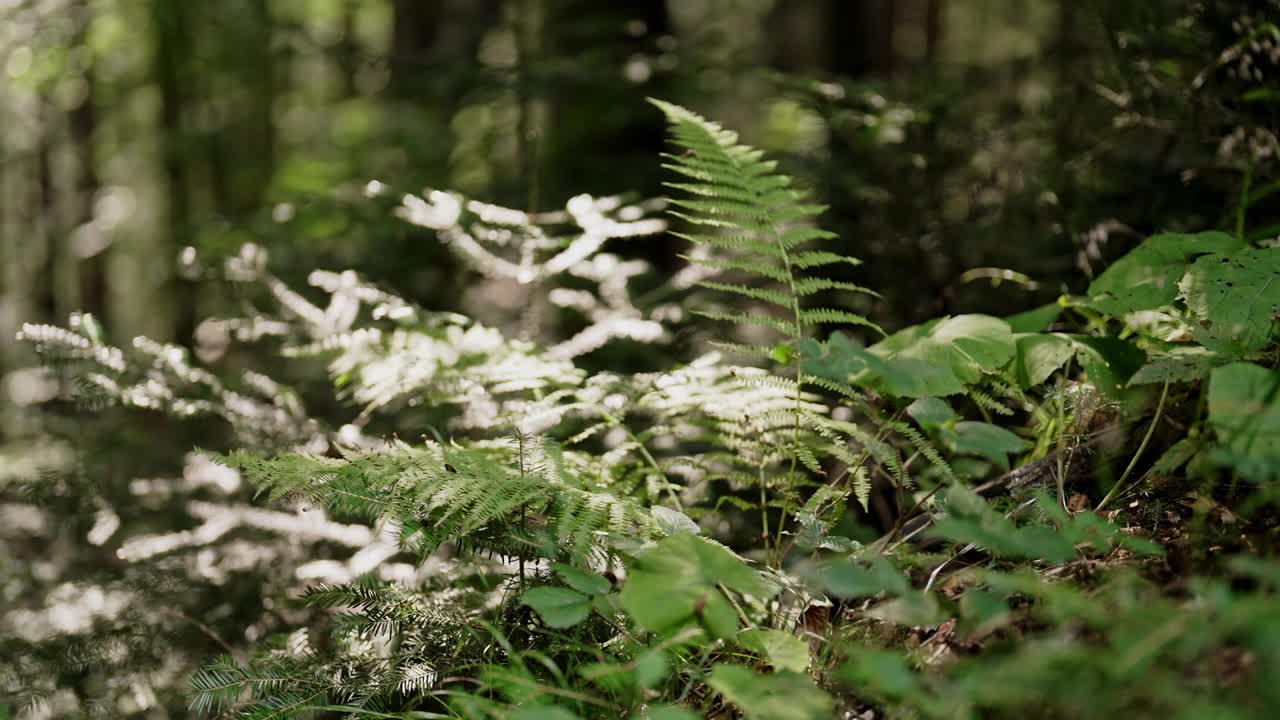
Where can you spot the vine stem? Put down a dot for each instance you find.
(1134, 460)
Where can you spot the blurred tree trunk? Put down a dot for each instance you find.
(15, 257)
(1065, 51)
(859, 37)
(609, 53)
(600, 58)
(434, 45)
(414, 27)
(46, 211)
(932, 32)
(241, 151)
(169, 67)
(348, 50)
(791, 20)
(85, 248)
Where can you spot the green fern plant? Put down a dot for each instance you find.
(755, 225)
(510, 498)
(759, 221)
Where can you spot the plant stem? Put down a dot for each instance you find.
(520, 439)
(1134, 460)
(645, 454)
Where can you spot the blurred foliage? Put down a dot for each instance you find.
(977, 157)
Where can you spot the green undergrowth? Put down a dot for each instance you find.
(1081, 497)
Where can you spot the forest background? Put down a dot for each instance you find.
(979, 156)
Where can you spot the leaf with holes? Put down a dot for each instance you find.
(1147, 278)
(1234, 299)
(1244, 411)
(1179, 365)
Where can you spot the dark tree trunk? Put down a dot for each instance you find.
(932, 31)
(47, 300)
(171, 35)
(859, 37)
(433, 45)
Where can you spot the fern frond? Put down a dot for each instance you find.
(773, 297)
(758, 352)
(984, 400)
(829, 316)
(809, 286)
(924, 446)
(820, 258)
(743, 266)
(741, 318)
(476, 492)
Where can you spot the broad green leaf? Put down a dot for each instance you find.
(672, 522)
(581, 580)
(776, 696)
(1039, 356)
(1244, 411)
(967, 344)
(676, 582)
(1034, 321)
(845, 360)
(840, 358)
(931, 412)
(1234, 299)
(881, 671)
(558, 607)
(716, 614)
(657, 605)
(648, 669)
(783, 650)
(984, 439)
(1147, 278)
(651, 668)
(911, 377)
(913, 608)
(1180, 365)
(848, 579)
(1176, 456)
(1108, 362)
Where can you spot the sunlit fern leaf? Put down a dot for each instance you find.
(754, 214)
(476, 492)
